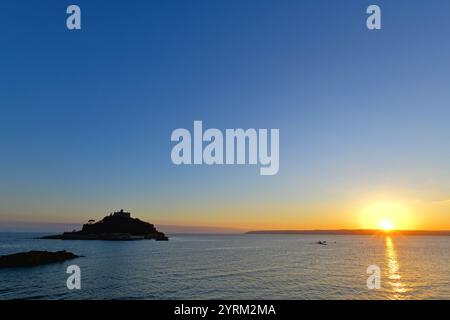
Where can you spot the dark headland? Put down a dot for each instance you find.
(356, 232)
(34, 258)
(116, 226)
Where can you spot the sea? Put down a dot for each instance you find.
(237, 266)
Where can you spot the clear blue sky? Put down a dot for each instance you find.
(86, 116)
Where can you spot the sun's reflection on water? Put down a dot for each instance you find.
(395, 279)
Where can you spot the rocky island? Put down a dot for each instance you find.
(116, 226)
(34, 258)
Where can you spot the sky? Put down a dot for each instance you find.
(86, 116)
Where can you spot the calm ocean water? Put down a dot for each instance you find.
(235, 267)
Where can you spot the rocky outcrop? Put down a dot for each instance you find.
(117, 226)
(34, 258)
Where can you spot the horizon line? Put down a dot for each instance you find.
(24, 227)
(352, 231)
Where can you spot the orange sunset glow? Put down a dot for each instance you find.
(387, 216)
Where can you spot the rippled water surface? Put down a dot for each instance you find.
(235, 267)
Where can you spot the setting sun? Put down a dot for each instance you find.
(386, 216)
(386, 225)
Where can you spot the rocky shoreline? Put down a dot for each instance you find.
(35, 258)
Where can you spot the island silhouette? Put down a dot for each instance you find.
(118, 225)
